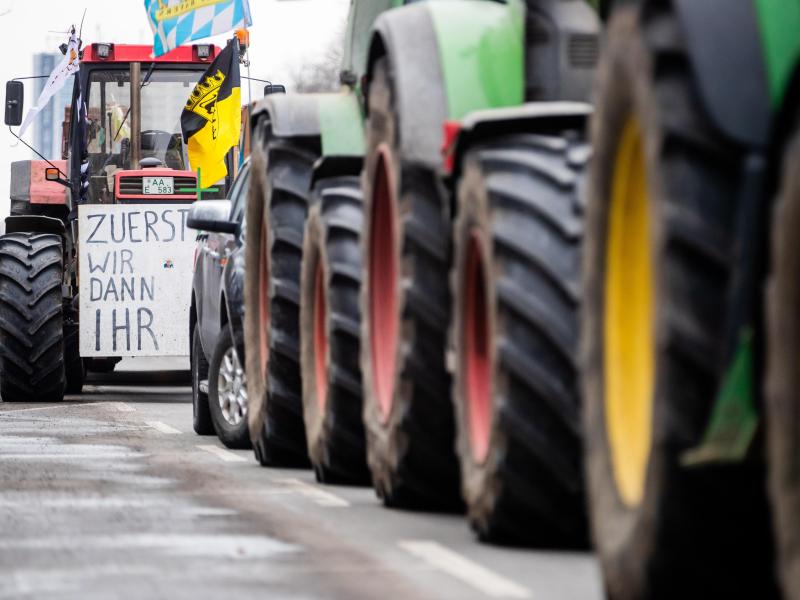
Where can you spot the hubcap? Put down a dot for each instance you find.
(383, 285)
(477, 362)
(232, 388)
(628, 345)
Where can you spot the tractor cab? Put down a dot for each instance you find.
(122, 135)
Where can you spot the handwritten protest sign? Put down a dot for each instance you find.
(135, 266)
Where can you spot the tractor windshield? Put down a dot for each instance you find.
(163, 94)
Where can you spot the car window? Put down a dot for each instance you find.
(239, 194)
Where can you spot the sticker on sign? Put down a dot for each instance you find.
(160, 186)
(135, 279)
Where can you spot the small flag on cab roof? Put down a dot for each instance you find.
(175, 22)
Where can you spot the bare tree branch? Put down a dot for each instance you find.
(322, 76)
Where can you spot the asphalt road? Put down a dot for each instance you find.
(111, 495)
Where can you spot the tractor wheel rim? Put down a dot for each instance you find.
(263, 302)
(232, 388)
(383, 274)
(320, 337)
(628, 336)
(477, 351)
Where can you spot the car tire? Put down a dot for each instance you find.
(201, 416)
(227, 392)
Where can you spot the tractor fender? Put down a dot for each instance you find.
(335, 118)
(724, 44)
(407, 37)
(533, 117)
(341, 124)
(37, 223)
(450, 58)
(293, 115)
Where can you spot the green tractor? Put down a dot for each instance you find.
(428, 219)
(691, 327)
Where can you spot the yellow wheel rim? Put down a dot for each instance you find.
(628, 337)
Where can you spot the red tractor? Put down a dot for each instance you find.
(124, 158)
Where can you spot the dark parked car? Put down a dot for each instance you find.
(219, 390)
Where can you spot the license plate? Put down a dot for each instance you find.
(159, 186)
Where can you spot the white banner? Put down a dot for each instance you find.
(136, 265)
(60, 75)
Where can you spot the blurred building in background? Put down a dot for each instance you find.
(48, 123)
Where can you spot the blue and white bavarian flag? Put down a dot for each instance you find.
(175, 22)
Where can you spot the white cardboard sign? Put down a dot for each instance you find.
(136, 263)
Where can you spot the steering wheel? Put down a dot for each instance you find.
(158, 135)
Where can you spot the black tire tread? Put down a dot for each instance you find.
(530, 489)
(782, 402)
(679, 540)
(31, 318)
(411, 457)
(281, 440)
(336, 439)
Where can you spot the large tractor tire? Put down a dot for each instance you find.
(276, 214)
(783, 376)
(516, 290)
(31, 318)
(74, 365)
(330, 329)
(659, 257)
(404, 303)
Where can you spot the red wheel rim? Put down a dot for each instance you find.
(320, 337)
(263, 302)
(383, 317)
(477, 352)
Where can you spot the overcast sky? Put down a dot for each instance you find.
(285, 35)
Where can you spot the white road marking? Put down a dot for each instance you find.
(464, 569)
(222, 453)
(234, 547)
(317, 495)
(123, 407)
(64, 457)
(162, 427)
(64, 405)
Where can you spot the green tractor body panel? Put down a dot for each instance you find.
(779, 23)
(341, 125)
(733, 421)
(481, 46)
(734, 418)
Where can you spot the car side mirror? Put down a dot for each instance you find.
(212, 215)
(274, 88)
(15, 98)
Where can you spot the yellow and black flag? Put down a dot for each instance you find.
(211, 119)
